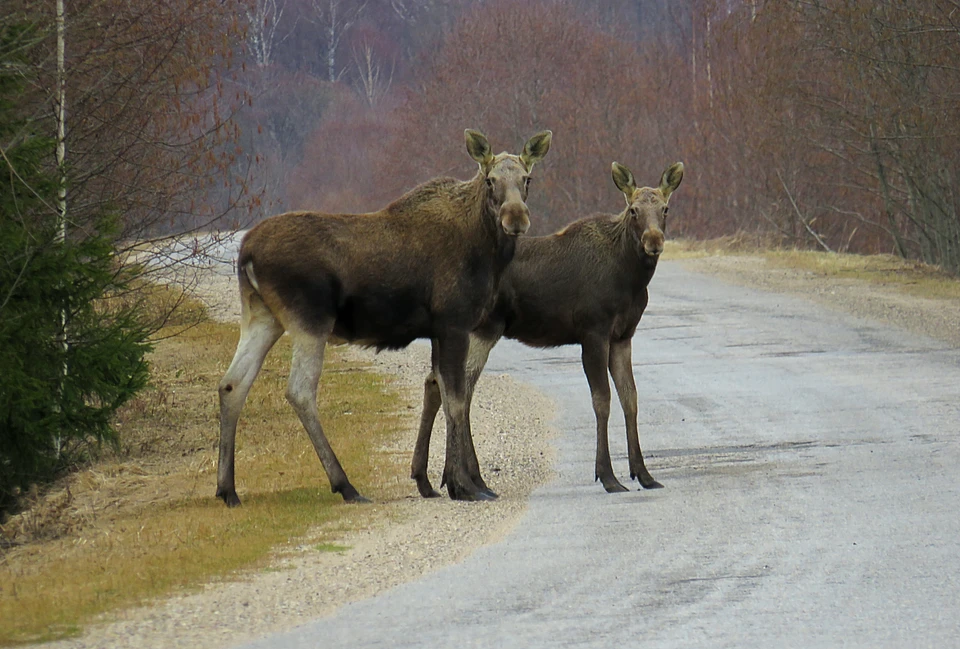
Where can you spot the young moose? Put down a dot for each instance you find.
(584, 285)
(426, 266)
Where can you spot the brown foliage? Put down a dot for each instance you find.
(840, 121)
(828, 125)
(510, 68)
(339, 170)
(147, 114)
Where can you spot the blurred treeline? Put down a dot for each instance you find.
(817, 124)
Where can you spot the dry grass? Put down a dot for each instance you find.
(912, 277)
(143, 522)
(737, 244)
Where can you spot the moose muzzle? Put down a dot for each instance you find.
(652, 241)
(514, 218)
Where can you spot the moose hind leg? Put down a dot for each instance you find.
(621, 368)
(421, 452)
(595, 355)
(305, 373)
(259, 333)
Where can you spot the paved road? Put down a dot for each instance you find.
(812, 496)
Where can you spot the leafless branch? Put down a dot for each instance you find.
(823, 244)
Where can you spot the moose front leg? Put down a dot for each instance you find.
(421, 452)
(594, 355)
(477, 356)
(450, 355)
(476, 359)
(621, 368)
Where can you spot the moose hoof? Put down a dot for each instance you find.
(229, 496)
(426, 489)
(482, 487)
(646, 480)
(467, 495)
(614, 487)
(484, 496)
(350, 494)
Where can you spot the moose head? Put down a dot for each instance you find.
(507, 177)
(646, 211)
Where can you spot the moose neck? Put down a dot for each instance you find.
(635, 261)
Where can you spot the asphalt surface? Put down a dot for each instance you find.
(811, 498)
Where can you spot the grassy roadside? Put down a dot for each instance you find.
(911, 277)
(143, 522)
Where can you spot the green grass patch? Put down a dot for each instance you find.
(330, 547)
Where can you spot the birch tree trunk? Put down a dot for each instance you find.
(61, 117)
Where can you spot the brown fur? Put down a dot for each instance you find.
(426, 266)
(585, 285)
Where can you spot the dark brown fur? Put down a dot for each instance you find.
(585, 285)
(426, 266)
(428, 262)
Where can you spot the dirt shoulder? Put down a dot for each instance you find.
(885, 302)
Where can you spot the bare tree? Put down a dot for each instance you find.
(840, 122)
(335, 17)
(263, 18)
(373, 81)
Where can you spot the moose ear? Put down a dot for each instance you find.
(536, 148)
(479, 148)
(670, 179)
(623, 179)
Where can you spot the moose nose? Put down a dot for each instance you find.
(514, 218)
(652, 241)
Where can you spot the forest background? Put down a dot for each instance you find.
(830, 124)
(826, 124)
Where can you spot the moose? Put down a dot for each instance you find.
(425, 266)
(584, 285)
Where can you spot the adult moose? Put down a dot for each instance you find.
(584, 285)
(426, 266)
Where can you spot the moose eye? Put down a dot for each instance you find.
(526, 181)
(489, 182)
(634, 213)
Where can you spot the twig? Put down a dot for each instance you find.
(816, 236)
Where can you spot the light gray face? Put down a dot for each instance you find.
(507, 185)
(507, 177)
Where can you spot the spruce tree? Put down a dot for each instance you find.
(56, 400)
